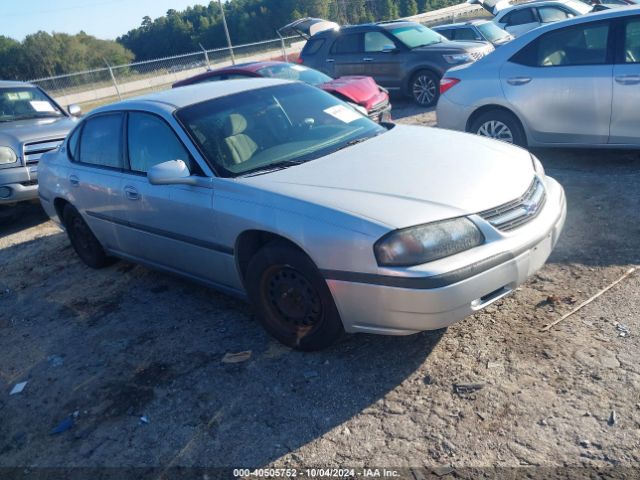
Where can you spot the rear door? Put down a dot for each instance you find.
(519, 21)
(345, 56)
(171, 226)
(381, 59)
(560, 83)
(625, 114)
(96, 174)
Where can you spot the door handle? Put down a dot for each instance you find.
(518, 80)
(367, 59)
(131, 193)
(330, 60)
(627, 79)
(74, 181)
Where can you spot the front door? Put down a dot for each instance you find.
(560, 83)
(381, 59)
(625, 114)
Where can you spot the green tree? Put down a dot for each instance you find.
(408, 8)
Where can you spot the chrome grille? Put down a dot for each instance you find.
(34, 150)
(516, 213)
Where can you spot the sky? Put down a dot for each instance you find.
(105, 19)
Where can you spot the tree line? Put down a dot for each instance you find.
(42, 54)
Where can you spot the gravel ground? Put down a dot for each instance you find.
(108, 347)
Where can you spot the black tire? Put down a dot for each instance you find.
(425, 88)
(495, 120)
(83, 240)
(291, 298)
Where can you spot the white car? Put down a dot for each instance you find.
(278, 192)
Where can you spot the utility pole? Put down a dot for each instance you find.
(226, 31)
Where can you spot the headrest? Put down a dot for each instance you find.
(234, 125)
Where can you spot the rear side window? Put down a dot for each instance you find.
(101, 141)
(152, 141)
(552, 14)
(347, 44)
(584, 44)
(312, 46)
(520, 17)
(466, 33)
(448, 33)
(632, 42)
(72, 144)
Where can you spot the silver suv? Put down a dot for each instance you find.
(31, 124)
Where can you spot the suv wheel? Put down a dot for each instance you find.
(83, 240)
(292, 299)
(425, 88)
(499, 125)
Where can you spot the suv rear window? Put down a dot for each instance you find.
(312, 46)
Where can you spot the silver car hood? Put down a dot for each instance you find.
(14, 134)
(408, 175)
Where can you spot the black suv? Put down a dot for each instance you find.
(403, 57)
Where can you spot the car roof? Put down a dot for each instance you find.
(536, 3)
(14, 83)
(461, 24)
(248, 66)
(191, 94)
(364, 27)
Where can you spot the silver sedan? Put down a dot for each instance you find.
(571, 83)
(327, 222)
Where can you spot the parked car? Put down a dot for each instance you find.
(572, 83)
(361, 92)
(483, 30)
(31, 123)
(520, 18)
(278, 192)
(403, 57)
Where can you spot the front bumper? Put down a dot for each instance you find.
(377, 307)
(18, 184)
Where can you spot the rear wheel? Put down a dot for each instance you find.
(425, 88)
(83, 240)
(499, 125)
(291, 298)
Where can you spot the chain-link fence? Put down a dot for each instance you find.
(92, 88)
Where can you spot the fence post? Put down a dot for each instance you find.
(113, 79)
(206, 56)
(284, 49)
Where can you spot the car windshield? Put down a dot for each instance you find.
(414, 36)
(289, 71)
(273, 127)
(20, 103)
(492, 32)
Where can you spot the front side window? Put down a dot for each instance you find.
(377, 42)
(152, 141)
(101, 140)
(632, 42)
(290, 71)
(23, 103)
(520, 17)
(580, 45)
(553, 14)
(347, 44)
(273, 127)
(416, 35)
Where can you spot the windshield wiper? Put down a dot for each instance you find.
(355, 141)
(271, 168)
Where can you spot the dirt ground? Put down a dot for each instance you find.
(101, 349)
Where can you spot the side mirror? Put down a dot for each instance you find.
(173, 172)
(75, 110)
(389, 49)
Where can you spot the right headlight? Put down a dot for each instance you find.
(426, 243)
(7, 155)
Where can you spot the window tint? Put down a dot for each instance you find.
(520, 17)
(579, 45)
(466, 34)
(152, 141)
(552, 14)
(72, 143)
(312, 46)
(376, 41)
(632, 42)
(347, 44)
(101, 141)
(447, 33)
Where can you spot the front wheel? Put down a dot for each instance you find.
(292, 299)
(499, 125)
(425, 88)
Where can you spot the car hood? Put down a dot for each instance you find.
(452, 46)
(361, 90)
(408, 176)
(15, 134)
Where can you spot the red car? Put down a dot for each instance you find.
(362, 92)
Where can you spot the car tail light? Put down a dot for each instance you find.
(299, 60)
(447, 83)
